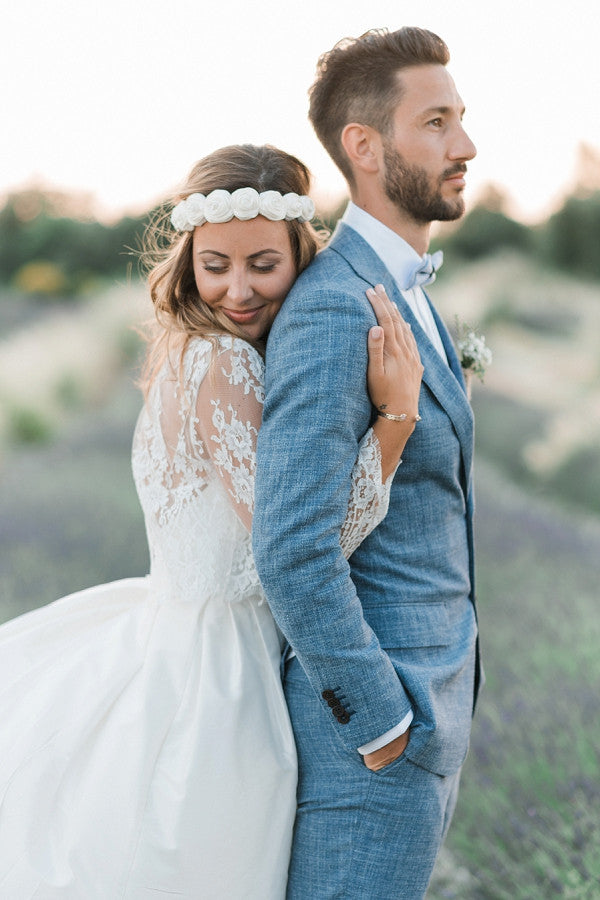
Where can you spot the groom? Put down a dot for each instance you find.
(384, 677)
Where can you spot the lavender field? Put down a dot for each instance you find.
(527, 826)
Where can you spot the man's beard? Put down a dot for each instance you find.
(411, 190)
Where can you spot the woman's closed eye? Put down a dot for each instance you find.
(222, 270)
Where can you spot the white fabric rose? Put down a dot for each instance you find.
(245, 203)
(218, 207)
(194, 207)
(293, 206)
(272, 206)
(179, 218)
(308, 208)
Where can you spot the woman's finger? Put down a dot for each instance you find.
(401, 327)
(376, 346)
(382, 309)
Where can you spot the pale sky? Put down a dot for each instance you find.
(119, 98)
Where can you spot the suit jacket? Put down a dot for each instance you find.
(394, 627)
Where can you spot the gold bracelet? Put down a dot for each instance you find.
(401, 418)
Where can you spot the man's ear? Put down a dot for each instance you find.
(363, 147)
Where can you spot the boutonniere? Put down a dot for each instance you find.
(473, 353)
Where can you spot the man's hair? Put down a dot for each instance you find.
(357, 82)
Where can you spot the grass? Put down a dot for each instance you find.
(64, 360)
(538, 412)
(69, 515)
(527, 824)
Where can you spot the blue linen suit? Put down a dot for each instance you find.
(393, 628)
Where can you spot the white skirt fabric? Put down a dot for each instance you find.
(145, 750)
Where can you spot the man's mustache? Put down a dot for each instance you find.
(458, 169)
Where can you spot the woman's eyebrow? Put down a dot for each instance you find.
(260, 252)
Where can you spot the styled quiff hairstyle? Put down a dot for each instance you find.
(167, 257)
(357, 82)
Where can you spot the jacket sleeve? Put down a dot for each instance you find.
(316, 409)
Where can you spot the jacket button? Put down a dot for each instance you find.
(332, 702)
(328, 695)
(344, 718)
(338, 710)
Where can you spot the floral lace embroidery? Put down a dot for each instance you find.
(194, 459)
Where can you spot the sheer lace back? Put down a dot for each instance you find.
(193, 462)
(194, 458)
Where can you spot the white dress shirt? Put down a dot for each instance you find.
(400, 260)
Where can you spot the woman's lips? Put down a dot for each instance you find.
(242, 316)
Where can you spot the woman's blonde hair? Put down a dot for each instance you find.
(180, 312)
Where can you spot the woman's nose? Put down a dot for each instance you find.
(239, 288)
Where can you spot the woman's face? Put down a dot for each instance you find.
(244, 269)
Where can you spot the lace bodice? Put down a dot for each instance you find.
(194, 457)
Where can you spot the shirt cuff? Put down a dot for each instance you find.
(389, 736)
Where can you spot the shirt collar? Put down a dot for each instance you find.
(399, 257)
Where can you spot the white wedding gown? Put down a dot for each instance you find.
(145, 747)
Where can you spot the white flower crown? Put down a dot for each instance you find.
(245, 203)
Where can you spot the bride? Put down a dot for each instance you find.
(145, 747)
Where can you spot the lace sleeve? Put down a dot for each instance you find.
(369, 495)
(228, 415)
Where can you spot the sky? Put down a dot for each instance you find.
(118, 99)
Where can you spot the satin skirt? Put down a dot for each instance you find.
(145, 750)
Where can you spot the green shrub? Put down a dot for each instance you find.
(28, 426)
(570, 239)
(484, 232)
(31, 232)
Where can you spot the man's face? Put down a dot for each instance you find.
(425, 154)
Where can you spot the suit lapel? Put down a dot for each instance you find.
(446, 382)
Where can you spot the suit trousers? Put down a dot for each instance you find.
(359, 834)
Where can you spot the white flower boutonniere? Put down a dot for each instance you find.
(473, 353)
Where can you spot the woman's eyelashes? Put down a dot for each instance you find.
(262, 268)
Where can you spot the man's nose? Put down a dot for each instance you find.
(463, 147)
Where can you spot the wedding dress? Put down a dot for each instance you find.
(145, 747)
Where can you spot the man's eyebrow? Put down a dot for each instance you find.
(442, 110)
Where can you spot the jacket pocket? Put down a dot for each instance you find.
(410, 624)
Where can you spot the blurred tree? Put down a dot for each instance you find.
(570, 239)
(486, 229)
(34, 229)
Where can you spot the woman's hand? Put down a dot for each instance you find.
(394, 372)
